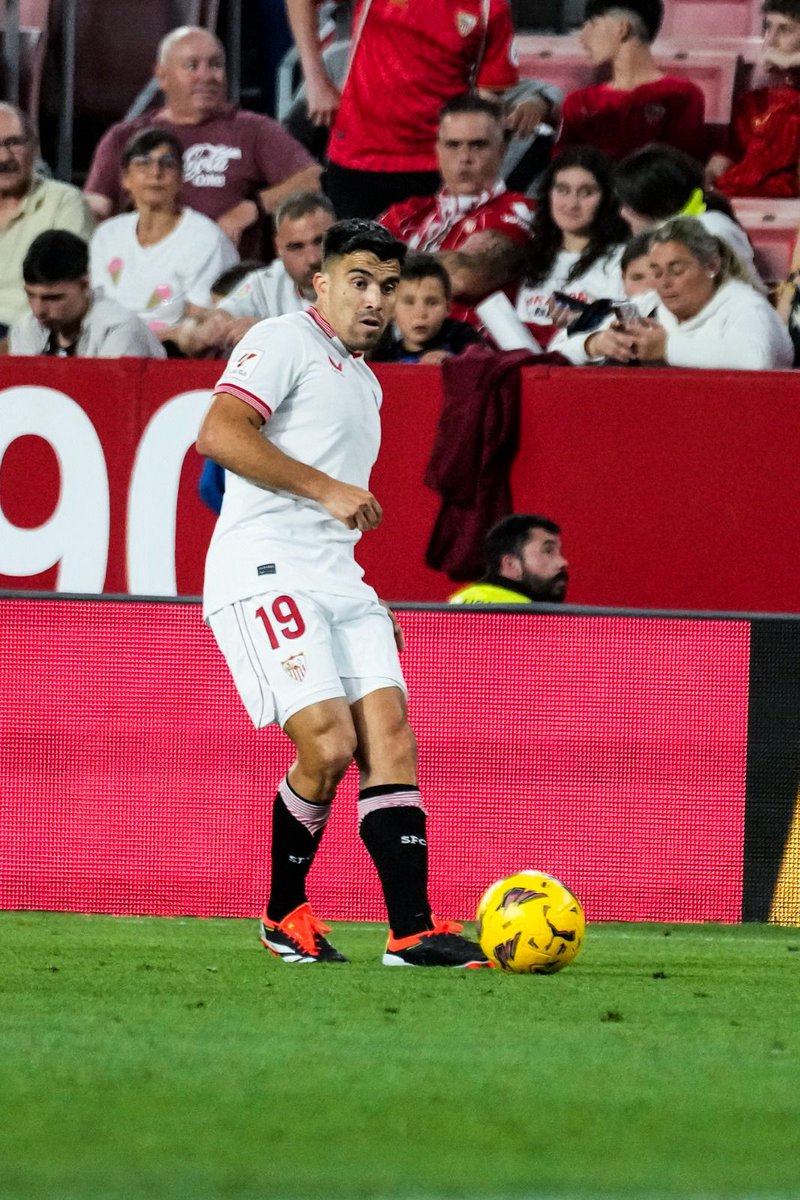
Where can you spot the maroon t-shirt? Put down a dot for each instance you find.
(669, 110)
(227, 158)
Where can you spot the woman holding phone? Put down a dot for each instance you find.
(576, 245)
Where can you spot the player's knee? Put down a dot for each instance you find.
(330, 755)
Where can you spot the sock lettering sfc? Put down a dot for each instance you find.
(393, 829)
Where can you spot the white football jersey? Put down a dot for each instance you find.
(321, 406)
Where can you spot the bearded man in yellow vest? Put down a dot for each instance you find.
(524, 564)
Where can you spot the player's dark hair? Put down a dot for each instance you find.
(471, 102)
(356, 233)
(647, 14)
(427, 266)
(637, 247)
(54, 256)
(607, 230)
(510, 535)
(302, 204)
(231, 277)
(787, 8)
(657, 181)
(148, 140)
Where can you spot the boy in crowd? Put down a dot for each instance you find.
(424, 330)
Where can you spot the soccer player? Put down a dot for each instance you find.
(295, 421)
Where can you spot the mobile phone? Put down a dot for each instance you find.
(627, 313)
(571, 301)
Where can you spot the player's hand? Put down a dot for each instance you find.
(525, 117)
(322, 99)
(353, 506)
(397, 629)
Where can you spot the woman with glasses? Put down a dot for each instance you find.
(159, 260)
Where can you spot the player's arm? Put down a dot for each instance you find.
(487, 262)
(322, 96)
(230, 435)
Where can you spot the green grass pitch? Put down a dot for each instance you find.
(177, 1060)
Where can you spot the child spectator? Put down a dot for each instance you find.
(640, 104)
(763, 147)
(424, 330)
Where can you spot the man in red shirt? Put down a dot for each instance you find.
(479, 228)
(408, 59)
(763, 148)
(641, 104)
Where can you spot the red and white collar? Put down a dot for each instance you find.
(329, 331)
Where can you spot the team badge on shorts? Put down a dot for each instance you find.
(465, 23)
(295, 667)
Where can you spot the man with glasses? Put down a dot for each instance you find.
(237, 165)
(29, 204)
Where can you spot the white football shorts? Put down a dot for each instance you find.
(287, 651)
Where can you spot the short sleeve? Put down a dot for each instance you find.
(278, 155)
(265, 366)
(499, 69)
(104, 172)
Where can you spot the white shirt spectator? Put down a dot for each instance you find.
(156, 282)
(108, 331)
(737, 330)
(602, 281)
(268, 292)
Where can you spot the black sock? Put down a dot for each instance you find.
(396, 840)
(293, 850)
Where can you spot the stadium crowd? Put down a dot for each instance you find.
(418, 134)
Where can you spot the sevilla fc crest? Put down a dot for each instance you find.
(295, 667)
(465, 23)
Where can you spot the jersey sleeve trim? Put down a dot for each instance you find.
(255, 402)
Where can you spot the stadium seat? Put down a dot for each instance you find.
(702, 18)
(558, 60)
(772, 226)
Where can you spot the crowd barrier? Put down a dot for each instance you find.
(674, 489)
(651, 762)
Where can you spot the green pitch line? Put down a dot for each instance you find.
(177, 1060)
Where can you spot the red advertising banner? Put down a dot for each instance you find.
(610, 751)
(674, 489)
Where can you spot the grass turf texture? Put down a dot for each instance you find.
(176, 1058)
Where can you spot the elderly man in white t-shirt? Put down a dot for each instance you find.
(285, 286)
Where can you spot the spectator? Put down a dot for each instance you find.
(657, 183)
(703, 312)
(286, 285)
(29, 204)
(424, 331)
(641, 104)
(482, 226)
(762, 151)
(66, 318)
(407, 61)
(236, 164)
(160, 260)
(524, 564)
(637, 278)
(577, 242)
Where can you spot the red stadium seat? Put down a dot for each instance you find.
(772, 226)
(701, 18)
